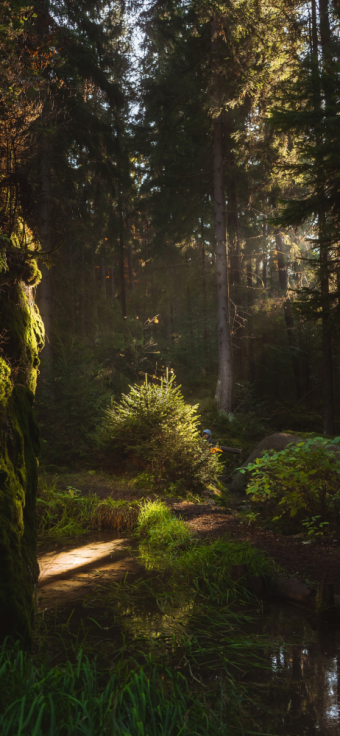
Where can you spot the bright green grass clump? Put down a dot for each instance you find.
(168, 542)
(161, 529)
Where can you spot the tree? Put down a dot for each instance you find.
(21, 329)
(312, 116)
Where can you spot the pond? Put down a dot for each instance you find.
(95, 593)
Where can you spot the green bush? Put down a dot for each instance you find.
(299, 486)
(153, 428)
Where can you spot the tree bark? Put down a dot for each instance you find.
(250, 302)
(223, 392)
(44, 289)
(289, 317)
(102, 269)
(122, 260)
(327, 362)
(112, 274)
(204, 290)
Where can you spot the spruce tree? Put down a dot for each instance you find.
(311, 113)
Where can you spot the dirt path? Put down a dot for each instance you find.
(312, 561)
(68, 574)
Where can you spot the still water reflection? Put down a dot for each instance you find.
(302, 690)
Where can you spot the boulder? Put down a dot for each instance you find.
(277, 442)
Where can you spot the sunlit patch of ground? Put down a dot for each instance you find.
(69, 574)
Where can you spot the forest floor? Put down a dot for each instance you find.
(311, 560)
(98, 592)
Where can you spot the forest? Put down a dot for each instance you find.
(169, 367)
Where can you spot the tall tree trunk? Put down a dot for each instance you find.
(250, 302)
(102, 269)
(129, 254)
(225, 379)
(82, 293)
(122, 260)
(204, 291)
(288, 314)
(327, 362)
(44, 290)
(112, 279)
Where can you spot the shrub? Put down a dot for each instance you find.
(154, 428)
(299, 486)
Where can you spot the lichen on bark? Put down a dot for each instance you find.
(21, 339)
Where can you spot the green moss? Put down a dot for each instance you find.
(19, 445)
(5, 382)
(26, 334)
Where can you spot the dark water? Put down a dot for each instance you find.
(295, 692)
(301, 691)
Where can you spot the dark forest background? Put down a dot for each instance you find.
(108, 144)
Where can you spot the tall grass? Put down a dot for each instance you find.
(69, 513)
(167, 542)
(160, 529)
(42, 700)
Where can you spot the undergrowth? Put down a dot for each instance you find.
(160, 529)
(186, 680)
(175, 657)
(298, 489)
(73, 700)
(69, 513)
(166, 542)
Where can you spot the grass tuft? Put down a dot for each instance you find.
(160, 529)
(68, 513)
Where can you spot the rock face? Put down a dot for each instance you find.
(277, 442)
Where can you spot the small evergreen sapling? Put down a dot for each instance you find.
(154, 428)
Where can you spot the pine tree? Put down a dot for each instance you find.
(311, 113)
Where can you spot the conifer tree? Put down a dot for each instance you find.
(311, 113)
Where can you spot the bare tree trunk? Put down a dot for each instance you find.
(103, 272)
(250, 302)
(265, 257)
(327, 361)
(289, 317)
(82, 295)
(224, 386)
(112, 274)
(204, 289)
(44, 290)
(121, 260)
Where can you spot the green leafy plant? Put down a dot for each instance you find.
(156, 430)
(315, 527)
(302, 478)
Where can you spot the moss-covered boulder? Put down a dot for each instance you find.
(21, 339)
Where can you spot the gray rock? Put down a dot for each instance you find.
(277, 442)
